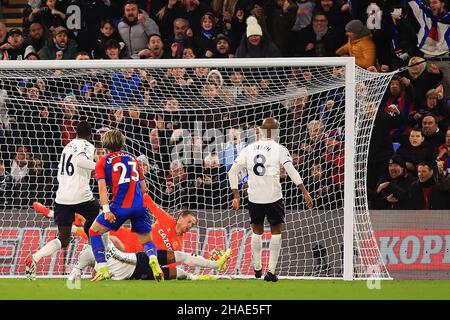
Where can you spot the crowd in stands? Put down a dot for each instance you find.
(409, 147)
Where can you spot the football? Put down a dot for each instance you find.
(216, 254)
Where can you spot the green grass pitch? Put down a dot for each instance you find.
(223, 290)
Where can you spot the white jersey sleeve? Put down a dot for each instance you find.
(74, 181)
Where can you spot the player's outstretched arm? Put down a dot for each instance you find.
(159, 213)
(295, 177)
(233, 177)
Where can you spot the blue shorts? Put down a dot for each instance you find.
(139, 217)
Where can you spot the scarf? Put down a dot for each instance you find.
(208, 34)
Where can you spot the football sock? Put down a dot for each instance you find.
(150, 249)
(256, 251)
(79, 232)
(98, 247)
(194, 260)
(274, 248)
(47, 250)
(85, 258)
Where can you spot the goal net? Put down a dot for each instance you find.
(186, 121)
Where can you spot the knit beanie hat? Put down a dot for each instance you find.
(355, 26)
(253, 28)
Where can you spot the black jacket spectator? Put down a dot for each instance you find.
(392, 193)
(279, 22)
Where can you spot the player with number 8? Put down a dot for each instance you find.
(263, 159)
(121, 172)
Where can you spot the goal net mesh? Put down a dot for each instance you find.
(186, 125)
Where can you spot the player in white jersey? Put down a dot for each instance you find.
(74, 194)
(263, 159)
(135, 266)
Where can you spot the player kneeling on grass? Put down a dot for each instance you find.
(135, 266)
(121, 172)
(262, 159)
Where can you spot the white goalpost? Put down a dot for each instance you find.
(186, 121)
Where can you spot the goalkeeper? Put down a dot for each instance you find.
(135, 266)
(262, 159)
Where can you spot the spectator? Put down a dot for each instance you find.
(433, 106)
(125, 87)
(326, 194)
(69, 119)
(5, 185)
(380, 146)
(182, 37)
(444, 154)
(211, 186)
(421, 79)
(204, 40)
(314, 145)
(415, 151)
(281, 16)
(304, 15)
(433, 136)
(51, 15)
(337, 18)
(112, 50)
(19, 165)
(37, 36)
(3, 34)
(222, 48)
(434, 25)
(424, 194)
(397, 38)
(334, 157)
(40, 184)
(255, 45)
(232, 148)
(155, 49)
(360, 44)
(60, 47)
(190, 10)
(176, 192)
(318, 39)
(108, 32)
(26, 14)
(15, 46)
(400, 96)
(135, 27)
(392, 192)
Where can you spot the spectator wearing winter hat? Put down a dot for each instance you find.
(204, 40)
(60, 47)
(392, 192)
(360, 44)
(30, 54)
(222, 48)
(255, 44)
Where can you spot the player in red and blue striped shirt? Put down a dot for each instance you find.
(120, 172)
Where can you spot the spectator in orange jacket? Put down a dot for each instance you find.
(360, 44)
